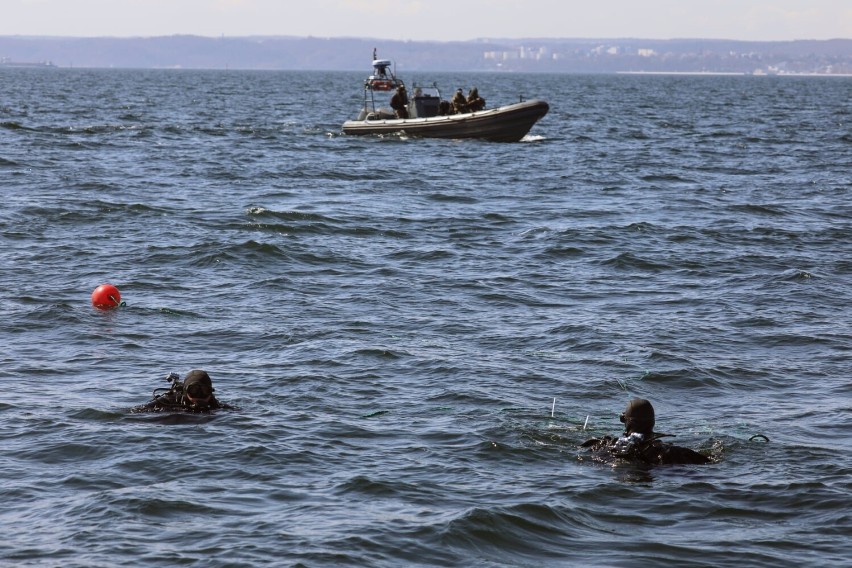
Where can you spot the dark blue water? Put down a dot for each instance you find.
(395, 317)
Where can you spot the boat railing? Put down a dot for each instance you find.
(384, 87)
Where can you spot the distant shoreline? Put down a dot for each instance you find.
(790, 58)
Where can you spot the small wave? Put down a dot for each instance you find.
(536, 232)
(13, 126)
(310, 223)
(685, 378)
(637, 135)
(237, 252)
(378, 353)
(520, 531)
(721, 134)
(423, 255)
(667, 178)
(287, 215)
(362, 484)
(628, 261)
(182, 313)
(445, 198)
(563, 252)
(95, 415)
(90, 129)
(65, 452)
(795, 275)
(752, 208)
(498, 217)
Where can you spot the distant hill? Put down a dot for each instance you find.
(354, 54)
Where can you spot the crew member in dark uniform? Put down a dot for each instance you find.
(459, 103)
(194, 394)
(640, 443)
(398, 102)
(474, 101)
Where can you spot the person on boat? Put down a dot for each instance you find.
(459, 103)
(194, 394)
(399, 102)
(474, 101)
(639, 443)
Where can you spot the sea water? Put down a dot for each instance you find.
(394, 318)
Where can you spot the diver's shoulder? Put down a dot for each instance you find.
(672, 454)
(595, 443)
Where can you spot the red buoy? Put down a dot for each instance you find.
(106, 297)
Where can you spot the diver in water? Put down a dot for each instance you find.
(640, 443)
(194, 394)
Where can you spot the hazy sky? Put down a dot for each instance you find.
(440, 20)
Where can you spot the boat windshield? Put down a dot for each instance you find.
(425, 101)
(432, 91)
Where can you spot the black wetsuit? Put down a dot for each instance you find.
(174, 400)
(398, 102)
(636, 449)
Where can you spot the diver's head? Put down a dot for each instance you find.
(638, 417)
(198, 388)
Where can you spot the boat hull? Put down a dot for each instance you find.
(508, 123)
